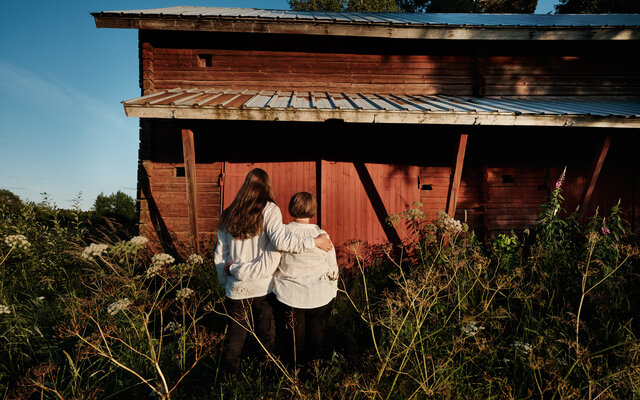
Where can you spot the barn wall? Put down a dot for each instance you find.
(162, 191)
(508, 173)
(296, 63)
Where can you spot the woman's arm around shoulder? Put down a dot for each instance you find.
(260, 268)
(282, 237)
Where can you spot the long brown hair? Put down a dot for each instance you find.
(243, 218)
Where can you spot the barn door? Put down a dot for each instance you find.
(287, 179)
(348, 209)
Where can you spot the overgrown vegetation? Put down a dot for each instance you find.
(85, 313)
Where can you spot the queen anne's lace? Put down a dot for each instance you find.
(195, 259)
(4, 309)
(157, 262)
(18, 241)
(118, 306)
(471, 329)
(94, 250)
(184, 294)
(162, 259)
(139, 240)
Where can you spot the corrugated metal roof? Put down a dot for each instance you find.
(358, 106)
(387, 102)
(413, 19)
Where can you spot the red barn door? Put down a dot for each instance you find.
(287, 179)
(346, 209)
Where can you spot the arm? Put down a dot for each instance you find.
(221, 256)
(261, 267)
(281, 236)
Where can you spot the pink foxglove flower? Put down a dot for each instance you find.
(560, 180)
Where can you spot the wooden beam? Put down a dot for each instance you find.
(378, 116)
(188, 150)
(331, 27)
(376, 202)
(596, 168)
(454, 187)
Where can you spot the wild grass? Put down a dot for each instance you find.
(548, 314)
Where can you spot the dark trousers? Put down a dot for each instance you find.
(300, 333)
(254, 314)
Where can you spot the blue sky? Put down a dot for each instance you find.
(62, 127)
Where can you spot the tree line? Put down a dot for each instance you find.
(467, 6)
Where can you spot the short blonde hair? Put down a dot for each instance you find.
(303, 205)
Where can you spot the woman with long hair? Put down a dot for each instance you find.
(251, 231)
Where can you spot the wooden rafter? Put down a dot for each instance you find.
(596, 168)
(188, 150)
(454, 187)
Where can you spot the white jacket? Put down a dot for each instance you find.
(275, 236)
(300, 280)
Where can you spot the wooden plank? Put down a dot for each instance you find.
(331, 28)
(188, 149)
(457, 174)
(376, 201)
(364, 116)
(596, 168)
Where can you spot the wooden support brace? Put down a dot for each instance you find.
(454, 187)
(188, 150)
(376, 202)
(596, 168)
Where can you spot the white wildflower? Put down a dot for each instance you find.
(184, 294)
(118, 306)
(18, 241)
(471, 329)
(195, 259)
(94, 250)
(523, 348)
(139, 240)
(162, 259)
(153, 270)
(157, 262)
(452, 225)
(4, 309)
(172, 326)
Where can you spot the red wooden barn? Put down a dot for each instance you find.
(472, 114)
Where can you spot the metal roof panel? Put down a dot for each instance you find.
(425, 19)
(418, 107)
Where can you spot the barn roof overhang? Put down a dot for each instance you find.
(255, 105)
(454, 26)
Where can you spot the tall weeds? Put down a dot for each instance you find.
(546, 313)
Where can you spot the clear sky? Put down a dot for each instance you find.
(63, 130)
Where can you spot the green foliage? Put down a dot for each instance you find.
(9, 200)
(344, 5)
(431, 6)
(597, 6)
(117, 204)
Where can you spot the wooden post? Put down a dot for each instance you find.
(596, 168)
(454, 188)
(188, 150)
(376, 202)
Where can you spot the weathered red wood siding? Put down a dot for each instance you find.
(199, 60)
(347, 211)
(162, 191)
(287, 178)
